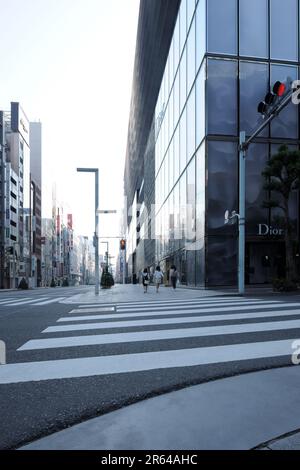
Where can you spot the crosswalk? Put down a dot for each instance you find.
(30, 301)
(157, 335)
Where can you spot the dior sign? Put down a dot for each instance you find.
(264, 229)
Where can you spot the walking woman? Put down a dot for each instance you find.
(173, 276)
(146, 280)
(158, 277)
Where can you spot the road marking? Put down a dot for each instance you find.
(166, 321)
(13, 300)
(29, 301)
(118, 364)
(174, 302)
(194, 306)
(158, 335)
(51, 301)
(149, 313)
(99, 309)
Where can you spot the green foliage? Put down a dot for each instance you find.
(53, 283)
(23, 284)
(65, 283)
(107, 280)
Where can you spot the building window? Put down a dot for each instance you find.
(222, 189)
(254, 29)
(286, 124)
(200, 105)
(254, 84)
(284, 29)
(191, 57)
(191, 125)
(222, 97)
(222, 26)
(200, 32)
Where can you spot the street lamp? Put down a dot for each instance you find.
(96, 238)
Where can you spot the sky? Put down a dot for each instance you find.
(70, 65)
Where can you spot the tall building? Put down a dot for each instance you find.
(36, 199)
(211, 62)
(16, 220)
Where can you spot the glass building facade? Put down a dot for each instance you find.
(224, 56)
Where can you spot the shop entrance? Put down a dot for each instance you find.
(264, 262)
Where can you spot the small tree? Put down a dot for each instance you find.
(107, 280)
(23, 284)
(282, 176)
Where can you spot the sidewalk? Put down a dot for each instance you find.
(240, 412)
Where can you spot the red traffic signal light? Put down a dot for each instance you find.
(279, 88)
(122, 244)
(278, 91)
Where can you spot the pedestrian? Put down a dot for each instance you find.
(173, 276)
(158, 277)
(146, 280)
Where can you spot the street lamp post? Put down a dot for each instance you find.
(96, 238)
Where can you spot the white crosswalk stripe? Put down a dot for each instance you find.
(31, 301)
(158, 326)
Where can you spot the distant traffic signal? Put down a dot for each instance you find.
(122, 244)
(278, 91)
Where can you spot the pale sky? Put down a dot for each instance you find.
(70, 64)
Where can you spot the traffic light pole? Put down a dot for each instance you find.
(243, 146)
(242, 210)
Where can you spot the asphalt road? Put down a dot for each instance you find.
(32, 409)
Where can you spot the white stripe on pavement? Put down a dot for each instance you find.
(51, 301)
(173, 302)
(157, 335)
(217, 308)
(194, 306)
(92, 366)
(29, 301)
(13, 300)
(99, 309)
(166, 321)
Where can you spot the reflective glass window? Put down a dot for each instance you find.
(200, 105)
(286, 124)
(200, 32)
(222, 26)
(222, 190)
(183, 159)
(183, 80)
(176, 154)
(254, 28)
(191, 57)
(284, 29)
(191, 125)
(190, 11)
(257, 157)
(191, 201)
(182, 14)
(254, 84)
(222, 97)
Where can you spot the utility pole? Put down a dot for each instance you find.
(2, 202)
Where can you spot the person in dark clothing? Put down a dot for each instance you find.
(173, 276)
(145, 279)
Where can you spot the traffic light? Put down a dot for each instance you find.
(123, 244)
(278, 91)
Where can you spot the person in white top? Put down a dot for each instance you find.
(158, 277)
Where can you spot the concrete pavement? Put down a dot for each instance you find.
(234, 413)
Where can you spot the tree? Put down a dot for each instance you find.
(282, 177)
(107, 280)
